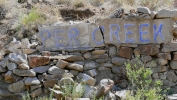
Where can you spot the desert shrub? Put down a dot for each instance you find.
(152, 4)
(78, 3)
(33, 17)
(141, 85)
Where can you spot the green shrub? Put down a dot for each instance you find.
(33, 17)
(141, 85)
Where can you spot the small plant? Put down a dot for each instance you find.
(141, 85)
(33, 17)
(73, 90)
(78, 3)
(96, 2)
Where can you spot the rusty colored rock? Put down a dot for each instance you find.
(125, 52)
(149, 49)
(35, 61)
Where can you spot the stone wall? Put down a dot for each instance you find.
(91, 52)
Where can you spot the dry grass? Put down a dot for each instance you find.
(2, 2)
(96, 2)
(78, 3)
(152, 4)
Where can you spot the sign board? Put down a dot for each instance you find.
(85, 36)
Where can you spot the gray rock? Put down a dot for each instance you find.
(110, 96)
(163, 76)
(65, 81)
(2, 70)
(74, 72)
(91, 65)
(58, 94)
(10, 77)
(32, 81)
(50, 83)
(155, 75)
(4, 92)
(169, 47)
(36, 92)
(61, 63)
(41, 69)
(144, 10)
(25, 43)
(102, 60)
(18, 58)
(158, 69)
(171, 97)
(14, 45)
(116, 70)
(55, 70)
(75, 66)
(104, 75)
(11, 66)
(87, 55)
(98, 52)
(33, 87)
(80, 62)
(136, 62)
(166, 56)
(153, 14)
(92, 72)
(87, 79)
(112, 51)
(74, 58)
(23, 66)
(94, 57)
(118, 61)
(173, 64)
(166, 13)
(107, 65)
(70, 75)
(151, 63)
(122, 94)
(24, 72)
(28, 51)
(4, 62)
(17, 87)
(90, 91)
(171, 76)
(146, 58)
(162, 62)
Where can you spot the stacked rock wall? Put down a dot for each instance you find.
(91, 52)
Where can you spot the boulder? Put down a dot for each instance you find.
(17, 87)
(90, 91)
(25, 43)
(145, 59)
(2, 70)
(4, 62)
(4, 92)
